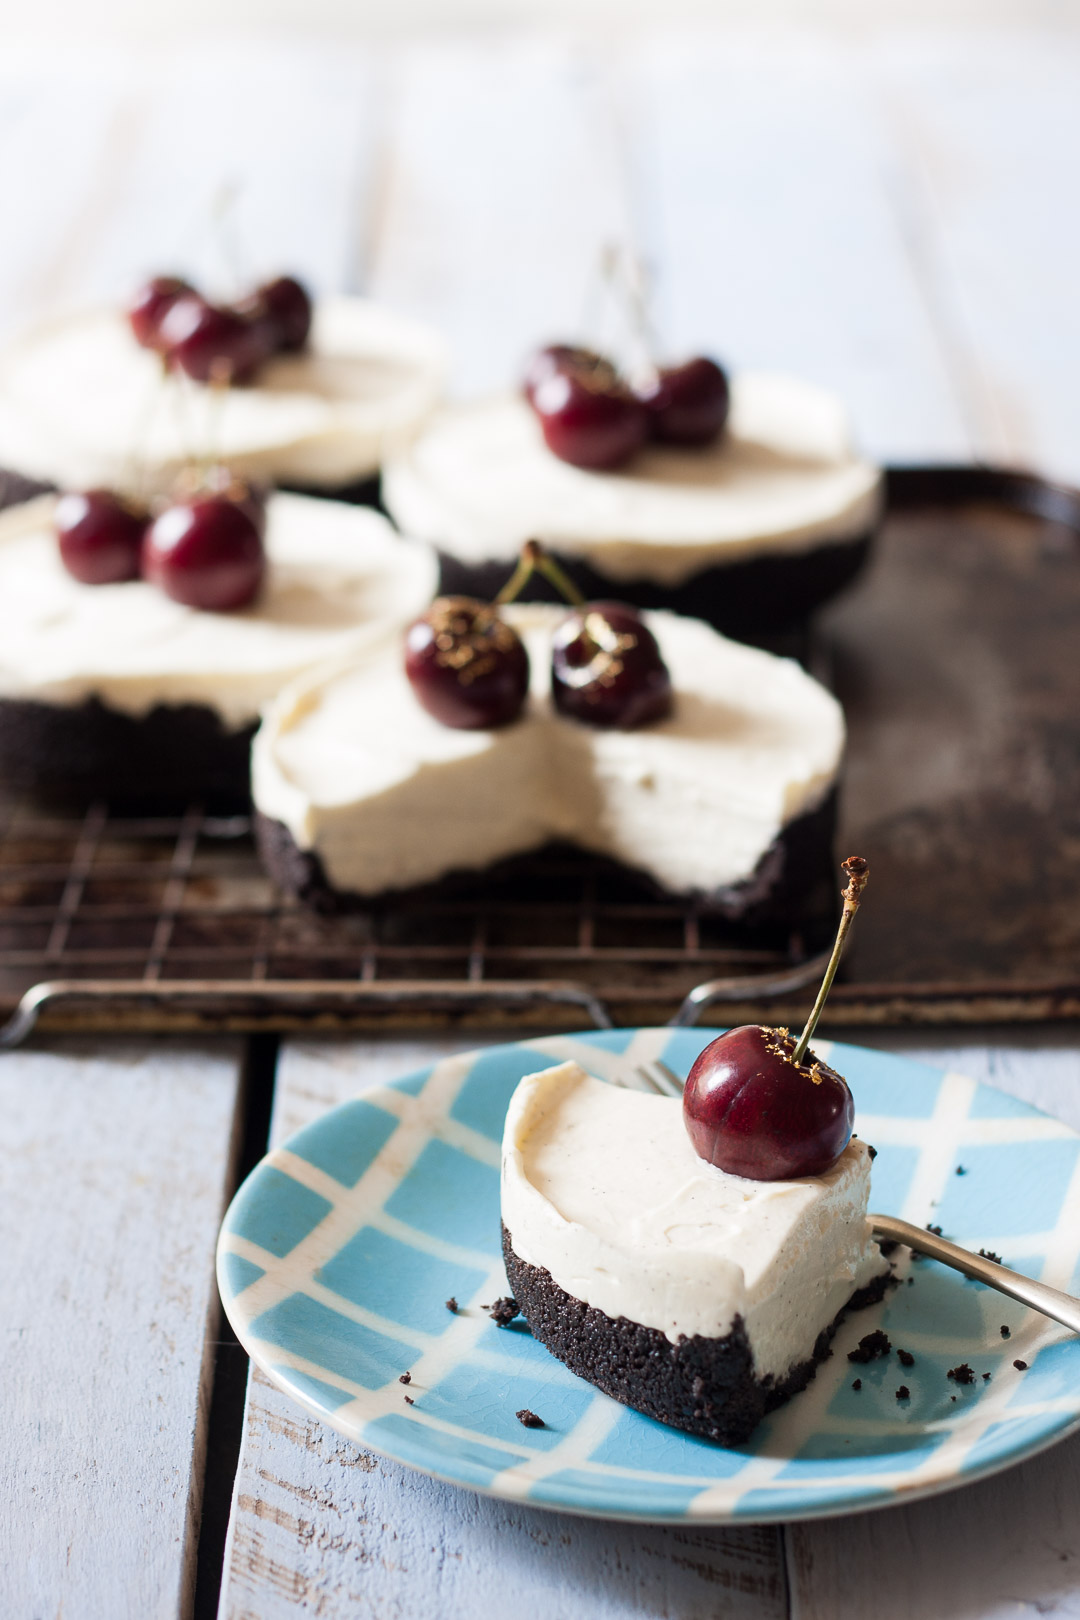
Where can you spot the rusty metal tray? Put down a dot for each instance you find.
(957, 658)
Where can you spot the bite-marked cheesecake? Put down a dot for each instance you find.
(729, 799)
(82, 405)
(700, 1298)
(751, 533)
(117, 690)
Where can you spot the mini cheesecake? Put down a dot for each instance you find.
(82, 405)
(751, 534)
(116, 691)
(730, 799)
(700, 1298)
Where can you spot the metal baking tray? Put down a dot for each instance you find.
(956, 658)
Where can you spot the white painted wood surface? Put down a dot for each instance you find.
(113, 1171)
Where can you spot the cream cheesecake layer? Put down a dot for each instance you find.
(82, 404)
(479, 481)
(602, 1188)
(337, 577)
(388, 797)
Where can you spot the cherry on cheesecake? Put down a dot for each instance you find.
(100, 536)
(466, 665)
(607, 668)
(758, 1103)
(588, 416)
(206, 553)
(687, 404)
(286, 306)
(559, 357)
(150, 306)
(212, 344)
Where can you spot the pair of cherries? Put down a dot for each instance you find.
(216, 342)
(204, 552)
(469, 668)
(591, 417)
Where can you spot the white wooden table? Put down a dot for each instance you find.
(893, 215)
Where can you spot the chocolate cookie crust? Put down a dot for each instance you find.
(703, 1386)
(754, 599)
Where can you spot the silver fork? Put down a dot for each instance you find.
(655, 1076)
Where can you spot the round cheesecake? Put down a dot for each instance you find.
(698, 1297)
(82, 405)
(117, 690)
(751, 534)
(730, 799)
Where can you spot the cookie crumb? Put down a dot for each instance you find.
(871, 1346)
(529, 1420)
(986, 1378)
(930, 1227)
(872, 1152)
(452, 1305)
(905, 1358)
(988, 1254)
(961, 1170)
(952, 1397)
(857, 1383)
(409, 1401)
(503, 1311)
(888, 1246)
(1006, 1332)
(1021, 1366)
(911, 1282)
(962, 1374)
(406, 1378)
(903, 1393)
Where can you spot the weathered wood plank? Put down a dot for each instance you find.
(320, 1527)
(113, 1172)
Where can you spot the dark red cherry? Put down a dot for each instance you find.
(467, 666)
(560, 357)
(753, 1112)
(206, 553)
(687, 404)
(209, 343)
(606, 667)
(287, 306)
(588, 418)
(251, 498)
(151, 304)
(100, 536)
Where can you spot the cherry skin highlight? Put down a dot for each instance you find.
(556, 358)
(466, 665)
(100, 536)
(150, 306)
(751, 1111)
(688, 404)
(205, 553)
(209, 344)
(588, 421)
(607, 668)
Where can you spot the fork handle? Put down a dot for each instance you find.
(1050, 1301)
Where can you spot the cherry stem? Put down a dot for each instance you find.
(534, 559)
(857, 872)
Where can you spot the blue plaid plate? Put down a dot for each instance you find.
(340, 1250)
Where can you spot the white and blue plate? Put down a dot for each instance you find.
(339, 1252)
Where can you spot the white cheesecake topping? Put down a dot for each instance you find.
(337, 576)
(479, 481)
(602, 1188)
(388, 797)
(82, 404)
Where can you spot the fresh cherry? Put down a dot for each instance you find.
(100, 536)
(564, 357)
(151, 304)
(287, 306)
(758, 1103)
(212, 344)
(205, 553)
(467, 666)
(607, 669)
(588, 418)
(752, 1111)
(687, 404)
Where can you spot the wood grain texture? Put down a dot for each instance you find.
(322, 1528)
(113, 1173)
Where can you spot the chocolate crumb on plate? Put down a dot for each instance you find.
(857, 1383)
(911, 1282)
(887, 1245)
(409, 1401)
(529, 1420)
(930, 1227)
(986, 1378)
(903, 1393)
(452, 1305)
(1006, 1332)
(871, 1346)
(503, 1311)
(961, 1170)
(1021, 1366)
(905, 1358)
(962, 1374)
(872, 1152)
(406, 1378)
(988, 1254)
